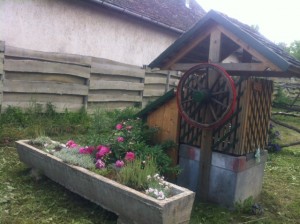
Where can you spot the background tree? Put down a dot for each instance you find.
(294, 49)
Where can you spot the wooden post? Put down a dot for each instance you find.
(206, 142)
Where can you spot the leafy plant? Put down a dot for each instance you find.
(244, 206)
(72, 156)
(135, 173)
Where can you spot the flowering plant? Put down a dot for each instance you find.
(158, 187)
(124, 155)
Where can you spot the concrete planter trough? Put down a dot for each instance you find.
(130, 205)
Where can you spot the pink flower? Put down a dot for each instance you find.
(86, 150)
(119, 163)
(120, 139)
(102, 152)
(129, 156)
(119, 126)
(100, 164)
(71, 144)
(128, 128)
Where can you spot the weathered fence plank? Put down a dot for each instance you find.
(36, 97)
(121, 70)
(155, 80)
(2, 46)
(59, 107)
(100, 84)
(47, 56)
(44, 87)
(107, 98)
(28, 77)
(153, 92)
(46, 67)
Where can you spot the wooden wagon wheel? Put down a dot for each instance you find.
(206, 96)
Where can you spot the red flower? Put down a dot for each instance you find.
(119, 126)
(129, 156)
(102, 152)
(120, 139)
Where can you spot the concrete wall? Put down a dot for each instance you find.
(76, 27)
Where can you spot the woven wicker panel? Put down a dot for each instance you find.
(189, 135)
(226, 136)
(258, 116)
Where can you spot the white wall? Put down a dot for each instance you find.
(78, 28)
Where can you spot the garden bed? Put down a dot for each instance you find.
(109, 194)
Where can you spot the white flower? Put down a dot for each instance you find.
(151, 190)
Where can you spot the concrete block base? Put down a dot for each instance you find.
(232, 178)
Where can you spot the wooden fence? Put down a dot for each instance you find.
(71, 82)
(157, 83)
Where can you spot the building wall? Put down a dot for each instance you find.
(76, 27)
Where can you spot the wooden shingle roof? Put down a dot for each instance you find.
(172, 14)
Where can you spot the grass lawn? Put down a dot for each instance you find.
(25, 199)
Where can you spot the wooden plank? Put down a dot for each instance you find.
(46, 67)
(44, 87)
(155, 80)
(120, 70)
(2, 46)
(26, 76)
(252, 67)
(114, 98)
(250, 50)
(157, 71)
(92, 106)
(37, 97)
(59, 107)
(1, 68)
(48, 56)
(166, 118)
(153, 92)
(107, 77)
(188, 47)
(99, 84)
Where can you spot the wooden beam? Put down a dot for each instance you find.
(247, 67)
(188, 47)
(250, 50)
(206, 141)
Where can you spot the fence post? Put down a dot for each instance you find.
(2, 48)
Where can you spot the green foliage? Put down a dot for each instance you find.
(244, 206)
(41, 141)
(73, 157)
(135, 173)
(294, 49)
(281, 97)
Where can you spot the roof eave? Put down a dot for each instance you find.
(136, 15)
(178, 43)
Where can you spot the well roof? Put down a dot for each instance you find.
(253, 38)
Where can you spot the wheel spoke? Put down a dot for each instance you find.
(218, 102)
(213, 112)
(218, 93)
(186, 101)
